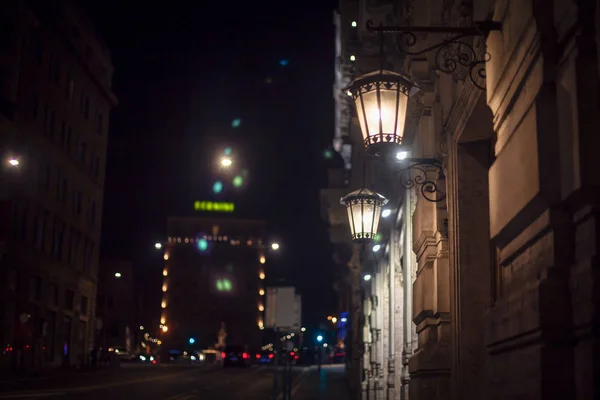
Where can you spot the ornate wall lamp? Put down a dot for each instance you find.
(382, 101)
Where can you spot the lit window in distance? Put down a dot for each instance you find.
(217, 187)
(236, 123)
(202, 245)
(238, 181)
(224, 285)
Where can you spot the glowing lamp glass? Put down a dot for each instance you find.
(364, 209)
(381, 100)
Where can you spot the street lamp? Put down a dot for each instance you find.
(275, 246)
(158, 245)
(381, 100)
(364, 209)
(118, 275)
(226, 162)
(13, 162)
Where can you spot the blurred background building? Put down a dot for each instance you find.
(214, 276)
(55, 100)
(116, 312)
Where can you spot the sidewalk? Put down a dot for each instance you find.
(328, 384)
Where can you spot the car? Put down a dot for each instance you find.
(235, 356)
(264, 357)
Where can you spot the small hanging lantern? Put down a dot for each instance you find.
(364, 209)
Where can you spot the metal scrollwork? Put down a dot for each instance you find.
(455, 55)
(416, 175)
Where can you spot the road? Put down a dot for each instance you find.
(180, 383)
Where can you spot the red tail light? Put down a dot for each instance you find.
(223, 355)
(271, 355)
(257, 356)
(153, 361)
(245, 355)
(295, 357)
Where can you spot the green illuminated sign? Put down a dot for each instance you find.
(214, 206)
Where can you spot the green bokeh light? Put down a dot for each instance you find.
(328, 154)
(236, 123)
(224, 285)
(227, 151)
(202, 245)
(238, 181)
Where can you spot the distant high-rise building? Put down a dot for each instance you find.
(213, 276)
(55, 100)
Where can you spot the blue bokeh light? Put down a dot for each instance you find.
(218, 187)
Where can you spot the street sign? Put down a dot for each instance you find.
(283, 309)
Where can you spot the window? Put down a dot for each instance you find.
(70, 88)
(35, 288)
(35, 106)
(74, 238)
(40, 230)
(88, 253)
(77, 202)
(99, 124)
(81, 150)
(86, 108)
(92, 212)
(44, 177)
(58, 239)
(53, 294)
(84, 305)
(20, 221)
(56, 70)
(69, 299)
(63, 133)
(38, 48)
(68, 141)
(52, 123)
(95, 166)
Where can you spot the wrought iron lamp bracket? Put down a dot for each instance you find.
(416, 175)
(453, 54)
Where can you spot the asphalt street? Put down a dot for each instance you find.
(183, 383)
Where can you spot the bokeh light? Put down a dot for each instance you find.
(227, 151)
(223, 285)
(217, 187)
(284, 62)
(238, 181)
(202, 245)
(236, 123)
(328, 154)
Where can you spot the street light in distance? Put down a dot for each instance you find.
(158, 245)
(275, 246)
(118, 275)
(226, 162)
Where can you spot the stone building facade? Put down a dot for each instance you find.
(55, 100)
(498, 281)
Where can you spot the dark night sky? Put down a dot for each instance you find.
(183, 73)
